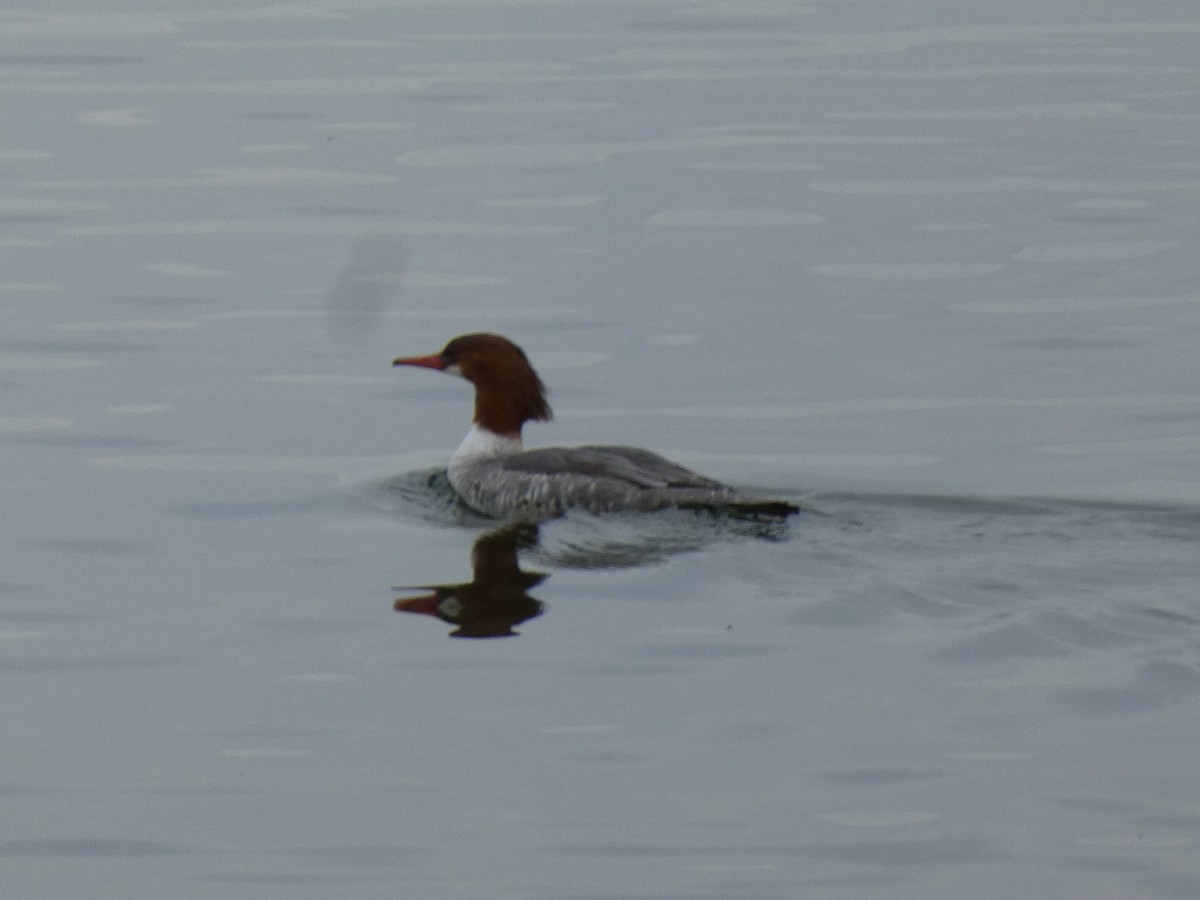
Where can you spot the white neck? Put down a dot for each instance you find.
(483, 444)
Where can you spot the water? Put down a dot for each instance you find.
(925, 267)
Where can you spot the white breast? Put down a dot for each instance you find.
(478, 446)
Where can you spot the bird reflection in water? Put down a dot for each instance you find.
(496, 599)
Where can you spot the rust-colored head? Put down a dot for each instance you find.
(508, 392)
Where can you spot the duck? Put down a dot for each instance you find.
(495, 475)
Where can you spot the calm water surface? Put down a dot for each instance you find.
(927, 267)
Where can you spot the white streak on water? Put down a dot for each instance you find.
(28, 287)
(10, 155)
(274, 87)
(137, 409)
(33, 24)
(991, 755)
(548, 154)
(268, 149)
(448, 280)
(766, 167)
(576, 730)
(893, 405)
(474, 314)
(958, 73)
(538, 107)
(225, 177)
(731, 218)
(879, 818)
(15, 206)
(355, 127)
(352, 228)
(1091, 251)
(185, 270)
(545, 202)
(261, 464)
(106, 326)
(929, 187)
(1068, 305)
(1084, 110)
(13, 363)
(675, 339)
(263, 753)
(1139, 840)
(124, 117)
(20, 634)
(1175, 444)
(319, 380)
(25, 424)
(909, 270)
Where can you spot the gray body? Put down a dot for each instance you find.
(546, 482)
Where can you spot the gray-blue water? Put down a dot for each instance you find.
(929, 267)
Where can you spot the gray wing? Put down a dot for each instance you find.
(638, 468)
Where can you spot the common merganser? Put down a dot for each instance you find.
(496, 476)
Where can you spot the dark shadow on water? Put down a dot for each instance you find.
(495, 600)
